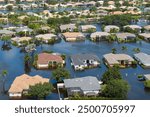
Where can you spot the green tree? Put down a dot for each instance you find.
(111, 73)
(40, 91)
(137, 50)
(27, 63)
(7, 44)
(119, 20)
(6, 40)
(147, 83)
(60, 73)
(3, 79)
(116, 89)
(9, 7)
(114, 50)
(124, 48)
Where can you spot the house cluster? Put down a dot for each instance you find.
(25, 34)
(85, 86)
(49, 8)
(130, 33)
(85, 61)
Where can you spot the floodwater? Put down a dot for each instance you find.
(12, 60)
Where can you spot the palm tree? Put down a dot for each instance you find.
(3, 78)
(27, 63)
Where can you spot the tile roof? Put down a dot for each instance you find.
(45, 58)
(24, 81)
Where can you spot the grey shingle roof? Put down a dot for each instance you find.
(88, 83)
(79, 58)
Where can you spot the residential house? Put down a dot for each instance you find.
(73, 36)
(49, 60)
(22, 84)
(143, 59)
(147, 76)
(83, 61)
(147, 28)
(133, 28)
(111, 28)
(99, 36)
(85, 86)
(102, 12)
(68, 27)
(145, 36)
(6, 33)
(88, 28)
(121, 60)
(47, 37)
(126, 37)
(116, 13)
(24, 29)
(21, 40)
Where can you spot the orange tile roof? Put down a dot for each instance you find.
(45, 58)
(24, 81)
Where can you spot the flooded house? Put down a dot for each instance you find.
(143, 59)
(73, 36)
(68, 27)
(99, 36)
(121, 60)
(49, 60)
(21, 85)
(78, 86)
(88, 28)
(84, 61)
(47, 38)
(126, 37)
(145, 36)
(111, 29)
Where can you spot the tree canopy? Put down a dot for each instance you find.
(116, 88)
(40, 91)
(119, 20)
(111, 73)
(60, 73)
